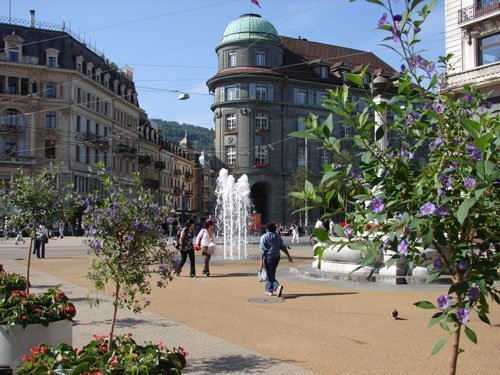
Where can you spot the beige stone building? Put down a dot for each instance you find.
(473, 37)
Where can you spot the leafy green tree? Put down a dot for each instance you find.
(125, 235)
(35, 201)
(401, 205)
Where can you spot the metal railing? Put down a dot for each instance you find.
(480, 8)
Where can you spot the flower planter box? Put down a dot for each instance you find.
(15, 341)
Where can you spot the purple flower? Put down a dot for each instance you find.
(467, 98)
(470, 183)
(487, 105)
(402, 68)
(473, 152)
(474, 293)
(386, 243)
(444, 302)
(453, 165)
(397, 18)
(395, 35)
(437, 263)
(403, 247)
(383, 19)
(427, 209)
(399, 216)
(463, 265)
(436, 143)
(445, 180)
(348, 231)
(463, 315)
(442, 210)
(431, 68)
(377, 205)
(438, 108)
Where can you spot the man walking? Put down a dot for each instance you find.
(270, 245)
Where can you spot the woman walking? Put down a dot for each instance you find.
(187, 247)
(295, 232)
(205, 240)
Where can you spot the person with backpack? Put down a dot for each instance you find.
(205, 240)
(187, 247)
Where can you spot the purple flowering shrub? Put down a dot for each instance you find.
(437, 188)
(123, 228)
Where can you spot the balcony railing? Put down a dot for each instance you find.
(10, 129)
(480, 8)
(20, 160)
(160, 164)
(177, 172)
(188, 175)
(151, 183)
(145, 159)
(126, 150)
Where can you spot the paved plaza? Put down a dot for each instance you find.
(320, 326)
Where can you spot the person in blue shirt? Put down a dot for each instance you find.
(270, 245)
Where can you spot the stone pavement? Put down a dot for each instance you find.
(324, 327)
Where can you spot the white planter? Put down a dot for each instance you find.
(15, 341)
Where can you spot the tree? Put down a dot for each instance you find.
(400, 205)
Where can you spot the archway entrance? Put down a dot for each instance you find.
(259, 196)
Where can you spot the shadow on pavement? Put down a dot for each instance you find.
(128, 323)
(293, 296)
(245, 364)
(236, 274)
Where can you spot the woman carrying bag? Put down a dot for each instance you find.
(205, 240)
(187, 248)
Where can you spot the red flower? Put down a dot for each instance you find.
(343, 224)
(160, 345)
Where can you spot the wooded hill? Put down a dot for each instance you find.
(199, 137)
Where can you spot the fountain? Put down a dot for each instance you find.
(232, 214)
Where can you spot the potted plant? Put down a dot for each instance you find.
(10, 281)
(124, 232)
(28, 319)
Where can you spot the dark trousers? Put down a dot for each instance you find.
(184, 255)
(271, 265)
(39, 244)
(206, 259)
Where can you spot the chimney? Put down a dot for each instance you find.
(32, 17)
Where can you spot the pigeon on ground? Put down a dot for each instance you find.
(394, 314)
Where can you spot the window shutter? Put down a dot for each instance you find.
(222, 94)
(310, 97)
(238, 90)
(270, 92)
(295, 96)
(252, 90)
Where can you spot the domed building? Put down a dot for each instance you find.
(265, 87)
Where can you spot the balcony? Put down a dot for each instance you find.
(160, 164)
(177, 191)
(151, 183)
(479, 9)
(177, 172)
(144, 159)
(11, 129)
(126, 150)
(262, 165)
(188, 176)
(17, 160)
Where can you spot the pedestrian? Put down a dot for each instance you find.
(270, 245)
(41, 239)
(205, 240)
(187, 247)
(295, 232)
(61, 229)
(6, 228)
(319, 224)
(331, 227)
(19, 237)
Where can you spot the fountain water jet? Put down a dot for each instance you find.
(233, 213)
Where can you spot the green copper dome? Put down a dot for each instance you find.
(249, 27)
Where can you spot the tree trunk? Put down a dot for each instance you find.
(113, 322)
(455, 350)
(29, 266)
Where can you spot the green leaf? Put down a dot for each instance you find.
(436, 318)
(427, 238)
(425, 305)
(432, 277)
(321, 234)
(445, 327)
(471, 334)
(471, 126)
(464, 208)
(483, 317)
(438, 346)
(309, 189)
(482, 142)
(354, 78)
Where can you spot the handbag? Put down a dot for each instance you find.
(211, 247)
(262, 275)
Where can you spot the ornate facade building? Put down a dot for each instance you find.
(265, 88)
(473, 37)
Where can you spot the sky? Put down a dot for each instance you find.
(170, 44)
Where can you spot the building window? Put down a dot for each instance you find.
(87, 128)
(325, 158)
(78, 123)
(11, 117)
(11, 147)
(261, 122)
(300, 96)
(14, 53)
(231, 155)
(50, 149)
(301, 156)
(321, 97)
(12, 86)
(261, 92)
(231, 122)
(233, 92)
(51, 90)
(260, 58)
(301, 123)
(489, 49)
(52, 62)
(87, 155)
(232, 59)
(77, 155)
(50, 120)
(261, 156)
(324, 71)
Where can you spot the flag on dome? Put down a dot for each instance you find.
(256, 2)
